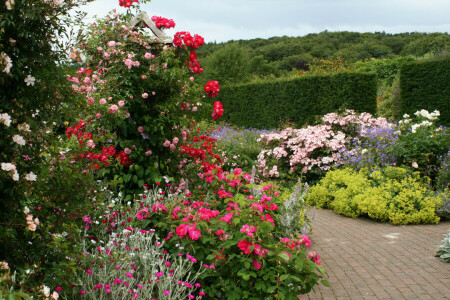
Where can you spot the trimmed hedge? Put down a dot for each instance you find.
(426, 85)
(268, 104)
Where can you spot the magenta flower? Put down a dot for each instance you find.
(129, 275)
(166, 292)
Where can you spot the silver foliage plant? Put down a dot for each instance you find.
(131, 263)
(294, 217)
(444, 249)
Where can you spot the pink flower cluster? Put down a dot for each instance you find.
(314, 146)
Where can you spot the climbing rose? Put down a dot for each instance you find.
(212, 88)
(217, 110)
(127, 3)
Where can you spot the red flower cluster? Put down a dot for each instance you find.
(190, 41)
(217, 110)
(194, 65)
(127, 3)
(212, 88)
(163, 22)
(79, 131)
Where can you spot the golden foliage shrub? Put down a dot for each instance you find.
(392, 194)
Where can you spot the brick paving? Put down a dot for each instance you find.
(365, 259)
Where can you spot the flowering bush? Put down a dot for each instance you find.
(314, 148)
(237, 236)
(421, 143)
(140, 91)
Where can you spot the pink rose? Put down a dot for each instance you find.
(121, 103)
(127, 150)
(144, 77)
(148, 55)
(145, 95)
(149, 152)
(112, 109)
(172, 147)
(166, 143)
(102, 101)
(98, 115)
(111, 44)
(140, 129)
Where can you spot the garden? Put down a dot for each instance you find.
(119, 179)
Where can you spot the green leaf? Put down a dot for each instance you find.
(325, 283)
(283, 256)
(284, 277)
(246, 276)
(247, 264)
(271, 289)
(321, 269)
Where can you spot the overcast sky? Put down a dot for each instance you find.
(223, 20)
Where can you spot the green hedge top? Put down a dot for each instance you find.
(301, 100)
(426, 85)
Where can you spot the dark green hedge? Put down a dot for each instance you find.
(426, 85)
(302, 100)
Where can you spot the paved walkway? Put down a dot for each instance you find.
(369, 260)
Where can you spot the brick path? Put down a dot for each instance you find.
(369, 260)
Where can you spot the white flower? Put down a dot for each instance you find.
(26, 210)
(31, 176)
(16, 177)
(29, 80)
(8, 167)
(405, 116)
(6, 60)
(82, 58)
(414, 165)
(9, 4)
(5, 119)
(19, 139)
(46, 291)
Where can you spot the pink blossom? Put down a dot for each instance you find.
(98, 115)
(127, 150)
(121, 103)
(148, 152)
(172, 147)
(145, 95)
(249, 230)
(111, 43)
(148, 55)
(87, 219)
(256, 264)
(140, 129)
(102, 101)
(143, 77)
(175, 140)
(166, 143)
(112, 109)
(191, 78)
(227, 218)
(194, 234)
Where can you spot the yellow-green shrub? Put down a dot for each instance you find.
(392, 194)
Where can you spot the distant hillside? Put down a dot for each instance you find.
(243, 60)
